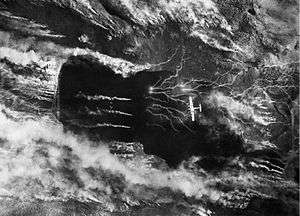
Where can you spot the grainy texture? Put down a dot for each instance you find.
(168, 107)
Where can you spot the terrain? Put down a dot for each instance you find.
(238, 60)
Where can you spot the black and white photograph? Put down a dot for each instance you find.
(149, 107)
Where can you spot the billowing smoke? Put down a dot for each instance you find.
(38, 159)
(23, 58)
